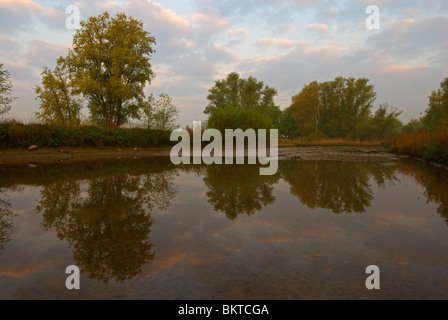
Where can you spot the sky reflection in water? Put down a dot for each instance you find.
(147, 229)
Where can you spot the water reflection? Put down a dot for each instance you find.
(337, 186)
(108, 213)
(238, 189)
(6, 216)
(107, 220)
(433, 180)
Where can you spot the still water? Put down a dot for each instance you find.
(143, 228)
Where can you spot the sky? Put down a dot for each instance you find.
(285, 44)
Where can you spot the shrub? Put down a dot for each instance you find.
(430, 146)
(16, 135)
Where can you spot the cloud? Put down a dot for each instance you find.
(285, 28)
(9, 48)
(184, 42)
(276, 42)
(20, 72)
(18, 15)
(209, 22)
(320, 28)
(222, 55)
(420, 41)
(41, 54)
(239, 32)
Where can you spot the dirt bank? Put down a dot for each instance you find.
(48, 155)
(341, 153)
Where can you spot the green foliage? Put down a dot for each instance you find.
(234, 92)
(305, 109)
(383, 124)
(346, 102)
(427, 137)
(276, 116)
(241, 118)
(288, 126)
(342, 109)
(160, 114)
(109, 65)
(437, 112)
(5, 91)
(58, 104)
(242, 103)
(413, 126)
(45, 135)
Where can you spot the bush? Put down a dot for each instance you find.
(14, 135)
(429, 146)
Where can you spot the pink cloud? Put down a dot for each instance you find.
(211, 21)
(319, 27)
(276, 42)
(241, 32)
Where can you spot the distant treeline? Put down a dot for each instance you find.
(341, 108)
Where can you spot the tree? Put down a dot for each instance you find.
(147, 109)
(242, 97)
(383, 124)
(160, 114)
(288, 126)
(345, 103)
(5, 91)
(58, 104)
(110, 66)
(238, 118)
(385, 121)
(413, 126)
(437, 112)
(234, 92)
(305, 109)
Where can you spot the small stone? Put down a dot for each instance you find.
(33, 148)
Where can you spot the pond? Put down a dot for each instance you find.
(146, 229)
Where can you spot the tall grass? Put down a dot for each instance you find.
(15, 135)
(429, 146)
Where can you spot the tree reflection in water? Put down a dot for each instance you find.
(107, 220)
(6, 220)
(238, 189)
(433, 180)
(336, 185)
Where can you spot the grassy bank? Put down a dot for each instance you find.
(429, 146)
(303, 142)
(18, 136)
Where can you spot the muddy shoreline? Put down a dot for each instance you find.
(336, 153)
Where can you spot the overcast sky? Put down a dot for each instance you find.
(285, 44)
